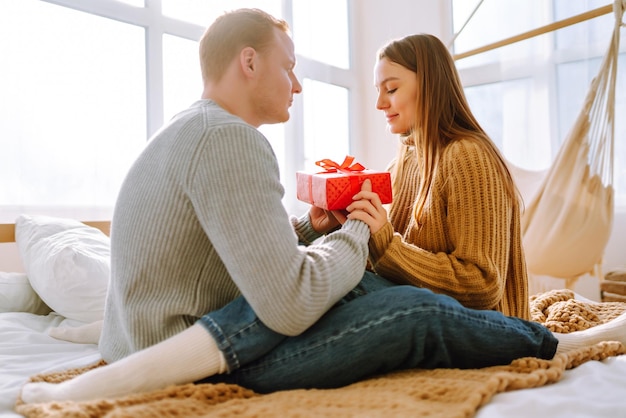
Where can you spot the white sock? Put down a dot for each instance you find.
(85, 334)
(614, 330)
(183, 358)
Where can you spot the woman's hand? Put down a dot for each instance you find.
(368, 208)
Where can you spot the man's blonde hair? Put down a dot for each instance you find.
(232, 32)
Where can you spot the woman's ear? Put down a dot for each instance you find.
(247, 61)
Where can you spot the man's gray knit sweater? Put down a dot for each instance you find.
(199, 221)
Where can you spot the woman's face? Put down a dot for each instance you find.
(397, 95)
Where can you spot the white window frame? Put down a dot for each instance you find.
(156, 25)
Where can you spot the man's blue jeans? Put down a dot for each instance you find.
(376, 328)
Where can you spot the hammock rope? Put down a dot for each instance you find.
(569, 221)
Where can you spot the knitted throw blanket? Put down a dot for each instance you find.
(434, 393)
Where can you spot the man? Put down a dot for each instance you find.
(199, 222)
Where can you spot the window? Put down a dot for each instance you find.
(321, 31)
(325, 110)
(72, 108)
(201, 12)
(182, 81)
(85, 84)
(528, 94)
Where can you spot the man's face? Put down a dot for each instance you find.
(277, 81)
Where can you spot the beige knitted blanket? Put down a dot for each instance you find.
(434, 393)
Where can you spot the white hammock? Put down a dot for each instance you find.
(568, 223)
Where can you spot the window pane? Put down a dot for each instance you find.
(573, 80)
(320, 31)
(203, 12)
(326, 122)
(598, 29)
(72, 110)
(496, 20)
(182, 79)
(515, 120)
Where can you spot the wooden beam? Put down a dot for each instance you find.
(539, 31)
(7, 231)
(104, 226)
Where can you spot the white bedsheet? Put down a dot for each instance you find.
(594, 389)
(27, 350)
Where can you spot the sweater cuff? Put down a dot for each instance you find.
(304, 229)
(380, 241)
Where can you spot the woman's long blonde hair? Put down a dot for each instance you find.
(442, 112)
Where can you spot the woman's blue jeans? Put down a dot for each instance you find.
(376, 328)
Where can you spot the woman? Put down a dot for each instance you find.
(454, 224)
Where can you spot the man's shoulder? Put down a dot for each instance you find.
(210, 113)
(204, 121)
(218, 123)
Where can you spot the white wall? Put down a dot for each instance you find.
(9, 258)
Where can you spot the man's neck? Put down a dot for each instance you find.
(231, 101)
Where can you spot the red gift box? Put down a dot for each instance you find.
(333, 188)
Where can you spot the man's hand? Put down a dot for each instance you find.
(322, 220)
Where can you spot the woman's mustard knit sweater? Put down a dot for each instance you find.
(468, 244)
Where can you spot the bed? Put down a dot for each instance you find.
(66, 275)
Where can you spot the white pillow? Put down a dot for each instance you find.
(67, 263)
(17, 295)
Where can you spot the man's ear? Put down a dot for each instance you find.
(247, 61)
